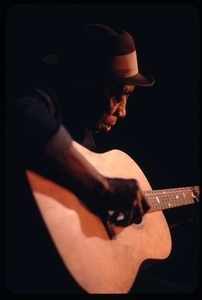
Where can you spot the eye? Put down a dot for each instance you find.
(118, 90)
(116, 100)
(121, 96)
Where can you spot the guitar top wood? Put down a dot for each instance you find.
(100, 264)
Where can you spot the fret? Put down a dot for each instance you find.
(170, 198)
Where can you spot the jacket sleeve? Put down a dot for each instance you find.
(34, 126)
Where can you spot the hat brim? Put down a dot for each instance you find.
(144, 78)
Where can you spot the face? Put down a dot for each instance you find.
(115, 101)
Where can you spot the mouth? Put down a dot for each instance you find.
(103, 127)
(106, 124)
(107, 127)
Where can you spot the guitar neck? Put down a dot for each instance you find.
(170, 198)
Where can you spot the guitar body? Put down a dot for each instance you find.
(100, 264)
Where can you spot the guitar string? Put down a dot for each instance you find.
(168, 198)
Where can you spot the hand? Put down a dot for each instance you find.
(123, 197)
(127, 201)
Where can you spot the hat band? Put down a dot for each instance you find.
(124, 65)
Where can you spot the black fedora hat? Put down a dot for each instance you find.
(100, 52)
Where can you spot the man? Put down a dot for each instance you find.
(76, 94)
(101, 82)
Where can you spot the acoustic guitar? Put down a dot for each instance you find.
(100, 262)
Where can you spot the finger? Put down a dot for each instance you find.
(138, 203)
(145, 205)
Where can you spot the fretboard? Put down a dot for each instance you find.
(170, 198)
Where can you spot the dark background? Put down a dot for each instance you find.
(161, 131)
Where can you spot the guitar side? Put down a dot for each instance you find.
(98, 264)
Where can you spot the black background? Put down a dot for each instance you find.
(161, 130)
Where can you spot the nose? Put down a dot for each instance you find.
(121, 108)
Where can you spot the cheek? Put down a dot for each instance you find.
(112, 106)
